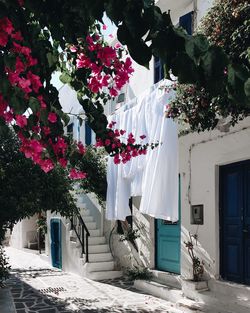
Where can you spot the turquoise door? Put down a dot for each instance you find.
(168, 244)
(56, 244)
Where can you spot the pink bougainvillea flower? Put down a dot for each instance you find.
(35, 81)
(6, 25)
(81, 148)
(63, 162)
(42, 102)
(143, 137)
(73, 48)
(24, 84)
(8, 117)
(113, 92)
(74, 174)
(3, 39)
(52, 117)
(20, 67)
(21, 120)
(46, 165)
(17, 36)
(104, 27)
(46, 130)
(117, 159)
(117, 45)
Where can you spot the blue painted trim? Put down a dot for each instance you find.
(56, 263)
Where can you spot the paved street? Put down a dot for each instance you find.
(37, 287)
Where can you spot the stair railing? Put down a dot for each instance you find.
(82, 232)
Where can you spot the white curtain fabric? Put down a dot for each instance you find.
(153, 176)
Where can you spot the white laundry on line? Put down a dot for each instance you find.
(153, 176)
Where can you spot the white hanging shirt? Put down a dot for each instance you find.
(153, 176)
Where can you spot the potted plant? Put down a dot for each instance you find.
(197, 283)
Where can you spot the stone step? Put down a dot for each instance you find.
(99, 248)
(159, 290)
(100, 266)
(100, 275)
(90, 225)
(95, 232)
(166, 278)
(88, 218)
(190, 305)
(81, 205)
(97, 240)
(100, 257)
(84, 212)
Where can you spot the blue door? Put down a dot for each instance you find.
(235, 222)
(168, 244)
(56, 245)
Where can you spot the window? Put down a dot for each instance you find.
(70, 129)
(88, 134)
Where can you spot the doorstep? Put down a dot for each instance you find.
(6, 301)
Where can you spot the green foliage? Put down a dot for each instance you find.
(94, 163)
(50, 25)
(4, 266)
(41, 224)
(25, 188)
(137, 272)
(130, 234)
(227, 26)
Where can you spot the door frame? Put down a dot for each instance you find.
(56, 220)
(222, 167)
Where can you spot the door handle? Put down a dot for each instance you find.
(245, 231)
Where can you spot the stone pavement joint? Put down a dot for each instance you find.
(41, 289)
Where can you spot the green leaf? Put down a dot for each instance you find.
(196, 46)
(52, 59)
(184, 68)
(44, 116)
(65, 78)
(34, 104)
(65, 118)
(247, 88)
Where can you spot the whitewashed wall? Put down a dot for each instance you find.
(24, 231)
(200, 158)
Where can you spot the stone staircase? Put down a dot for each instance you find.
(101, 263)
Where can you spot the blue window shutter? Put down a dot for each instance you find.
(87, 134)
(158, 70)
(186, 21)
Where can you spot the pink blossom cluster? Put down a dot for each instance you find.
(124, 149)
(107, 70)
(40, 142)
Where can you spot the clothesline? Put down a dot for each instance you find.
(161, 85)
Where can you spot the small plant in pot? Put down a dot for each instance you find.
(197, 264)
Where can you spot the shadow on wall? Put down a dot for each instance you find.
(125, 253)
(200, 252)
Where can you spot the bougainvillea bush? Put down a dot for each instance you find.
(226, 25)
(25, 188)
(38, 38)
